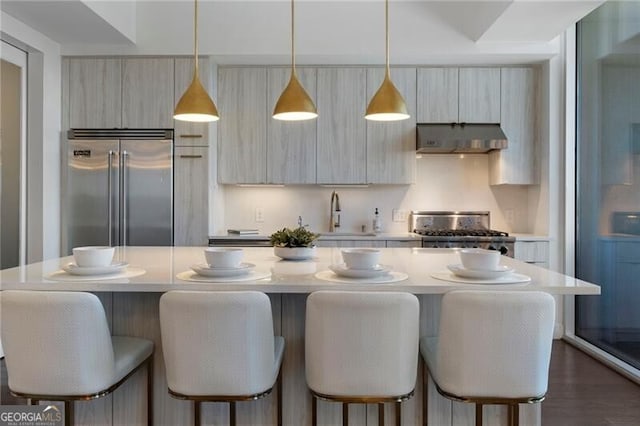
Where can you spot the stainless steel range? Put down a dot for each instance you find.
(459, 230)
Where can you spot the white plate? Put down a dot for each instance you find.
(463, 272)
(206, 271)
(114, 268)
(343, 271)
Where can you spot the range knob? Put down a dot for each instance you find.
(504, 250)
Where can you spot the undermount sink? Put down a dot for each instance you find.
(348, 234)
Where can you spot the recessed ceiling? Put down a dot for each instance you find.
(64, 21)
(327, 31)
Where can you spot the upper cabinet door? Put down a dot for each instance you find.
(190, 133)
(291, 145)
(479, 95)
(391, 145)
(242, 136)
(341, 125)
(94, 93)
(147, 93)
(516, 165)
(437, 95)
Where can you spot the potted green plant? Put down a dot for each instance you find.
(294, 244)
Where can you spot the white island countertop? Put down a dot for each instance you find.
(162, 264)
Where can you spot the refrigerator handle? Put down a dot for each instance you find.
(110, 195)
(124, 196)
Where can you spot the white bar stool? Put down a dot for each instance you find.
(361, 347)
(493, 347)
(58, 348)
(220, 347)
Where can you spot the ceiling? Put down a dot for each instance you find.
(328, 31)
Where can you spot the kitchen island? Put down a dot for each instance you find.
(132, 309)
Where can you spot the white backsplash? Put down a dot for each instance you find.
(443, 182)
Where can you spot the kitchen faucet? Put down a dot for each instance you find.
(333, 223)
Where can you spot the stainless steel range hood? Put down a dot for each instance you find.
(459, 138)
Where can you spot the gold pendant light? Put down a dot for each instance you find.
(294, 103)
(387, 104)
(195, 104)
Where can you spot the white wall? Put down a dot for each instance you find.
(121, 15)
(444, 182)
(44, 136)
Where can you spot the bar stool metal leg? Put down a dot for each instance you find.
(380, 414)
(425, 397)
(478, 414)
(514, 415)
(68, 413)
(196, 413)
(150, 391)
(398, 413)
(314, 411)
(232, 413)
(279, 401)
(345, 414)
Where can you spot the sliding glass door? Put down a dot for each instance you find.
(608, 178)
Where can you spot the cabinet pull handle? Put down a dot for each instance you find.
(190, 156)
(188, 136)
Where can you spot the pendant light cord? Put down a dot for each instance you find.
(195, 37)
(293, 57)
(386, 30)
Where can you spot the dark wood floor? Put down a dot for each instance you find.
(583, 392)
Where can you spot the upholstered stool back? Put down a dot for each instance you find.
(56, 343)
(361, 347)
(361, 343)
(495, 344)
(58, 347)
(219, 347)
(218, 343)
(493, 347)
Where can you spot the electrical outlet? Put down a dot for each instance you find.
(509, 216)
(398, 215)
(259, 214)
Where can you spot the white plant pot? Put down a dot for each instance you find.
(294, 253)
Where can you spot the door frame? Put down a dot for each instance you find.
(19, 58)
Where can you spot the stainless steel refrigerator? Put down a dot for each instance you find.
(120, 187)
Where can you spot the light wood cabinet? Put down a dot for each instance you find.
(536, 252)
(479, 95)
(189, 133)
(407, 243)
(242, 132)
(391, 146)
(94, 93)
(517, 163)
(437, 100)
(191, 205)
(351, 243)
(147, 93)
(458, 95)
(341, 146)
(291, 145)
